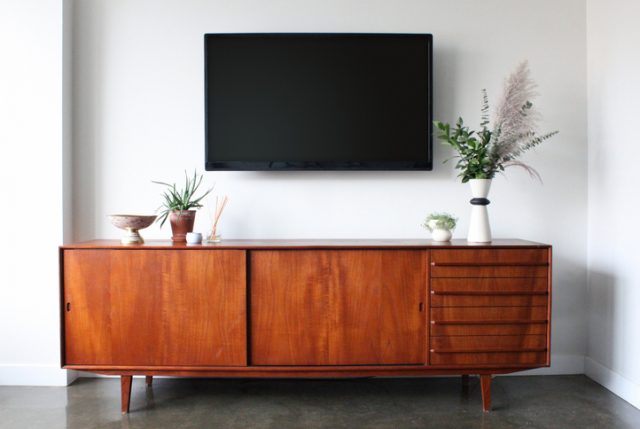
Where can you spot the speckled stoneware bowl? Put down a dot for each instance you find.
(131, 223)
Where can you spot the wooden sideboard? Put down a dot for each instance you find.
(305, 308)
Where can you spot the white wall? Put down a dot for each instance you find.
(31, 171)
(139, 116)
(613, 37)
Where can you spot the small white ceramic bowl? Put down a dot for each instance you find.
(194, 238)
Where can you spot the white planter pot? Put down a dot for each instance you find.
(441, 235)
(479, 229)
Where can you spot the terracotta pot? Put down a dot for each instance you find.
(181, 223)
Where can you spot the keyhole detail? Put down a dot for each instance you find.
(68, 306)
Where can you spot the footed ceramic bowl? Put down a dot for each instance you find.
(131, 223)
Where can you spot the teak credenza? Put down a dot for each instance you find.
(306, 308)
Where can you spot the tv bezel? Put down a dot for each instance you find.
(277, 165)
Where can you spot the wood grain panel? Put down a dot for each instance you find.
(479, 359)
(87, 306)
(490, 271)
(444, 300)
(328, 307)
(489, 256)
(489, 343)
(505, 285)
(503, 329)
(160, 307)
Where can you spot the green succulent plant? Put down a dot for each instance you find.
(180, 199)
(440, 221)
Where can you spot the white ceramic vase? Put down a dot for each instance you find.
(441, 235)
(479, 229)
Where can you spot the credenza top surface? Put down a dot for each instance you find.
(309, 244)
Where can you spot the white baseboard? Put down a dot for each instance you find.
(616, 383)
(35, 375)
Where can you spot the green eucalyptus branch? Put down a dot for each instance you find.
(481, 154)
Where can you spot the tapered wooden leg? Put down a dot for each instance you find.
(149, 380)
(125, 386)
(465, 380)
(485, 384)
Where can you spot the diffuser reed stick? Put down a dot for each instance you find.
(220, 205)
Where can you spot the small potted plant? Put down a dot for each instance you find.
(440, 225)
(178, 206)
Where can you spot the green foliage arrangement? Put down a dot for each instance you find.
(440, 221)
(482, 154)
(183, 199)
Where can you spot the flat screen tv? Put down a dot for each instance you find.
(318, 101)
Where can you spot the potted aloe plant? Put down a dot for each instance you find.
(179, 204)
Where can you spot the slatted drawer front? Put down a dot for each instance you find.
(488, 349)
(479, 359)
(515, 285)
(489, 307)
(490, 256)
(527, 271)
(526, 263)
(489, 343)
(484, 300)
(508, 328)
(480, 315)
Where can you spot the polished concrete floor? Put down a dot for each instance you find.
(518, 402)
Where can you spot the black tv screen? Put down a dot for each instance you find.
(318, 101)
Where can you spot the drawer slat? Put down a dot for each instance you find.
(488, 284)
(477, 359)
(490, 256)
(490, 271)
(475, 300)
(488, 314)
(539, 328)
(489, 343)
